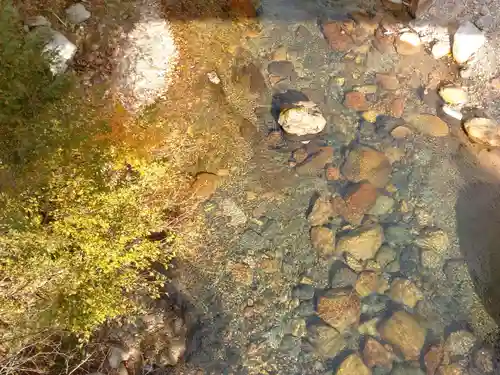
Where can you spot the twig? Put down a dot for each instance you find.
(60, 20)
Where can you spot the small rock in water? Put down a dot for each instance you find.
(454, 95)
(343, 277)
(353, 365)
(408, 44)
(401, 132)
(303, 292)
(453, 369)
(368, 283)
(231, 209)
(363, 242)
(383, 205)
(359, 200)
(365, 163)
(433, 239)
(316, 162)
(433, 359)
(459, 343)
(467, 41)
(341, 310)
(326, 341)
(376, 354)
(336, 33)
(429, 125)
(279, 54)
(77, 13)
(483, 130)
(321, 212)
(323, 239)
(387, 81)
(396, 107)
(405, 333)
(405, 292)
(402, 369)
(304, 119)
(441, 49)
(281, 68)
(213, 77)
(484, 360)
(205, 185)
(356, 100)
(453, 113)
(385, 255)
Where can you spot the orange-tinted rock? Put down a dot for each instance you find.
(321, 212)
(205, 185)
(353, 365)
(405, 333)
(359, 200)
(337, 35)
(383, 43)
(356, 100)
(396, 108)
(332, 173)
(387, 81)
(433, 359)
(401, 132)
(365, 163)
(316, 162)
(367, 283)
(323, 239)
(341, 310)
(375, 354)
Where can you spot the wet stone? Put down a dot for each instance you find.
(341, 310)
(386, 255)
(402, 369)
(305, 309)
(405, 333)
(323, 239)
(359, 200)
(321, 212)
(369, 327)
(484, 360)
(408, 44)
(251, 240)
(405, 292)
(374, 305)
(456, 271)
(431, 260)
(281, 68)
(205, 185)
(398, 235)
(343, 276)
(367, 283)
(401, 132)
(316, 162)
(353, 364)
(454, 95)
(376, 354)
(387, 81)
(459, 343)
(336, 34)
(303, 292)
(453, 369)
(433, 239)
(362, 243)
(433, 359)
(383, 205)
(356, 100)
(409, 262)
(326, 341)
(429, 125)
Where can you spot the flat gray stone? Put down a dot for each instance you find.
(77, 13)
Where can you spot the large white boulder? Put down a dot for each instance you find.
(61, 50)
(467, 41)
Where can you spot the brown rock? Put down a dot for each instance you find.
(341, 310)
(323, 239)
(274, 139)
(483, 130)
(405, 333)
(365, 21)
(397, 107)
(365, 163)
(359, 200)
(376, 354)
(383, 43)
(433, 359)
(205, 185)
(321, 212)
(406, 292)
(356, 100)
(453, 369)
(400, 132)
(337, 35)
(332, 173)
(316, 162)
(300, 155)
(429, 125)
(326, 341)
(353, 365)
(367, 283)
(387, 81)
(362, 243)
(408, 44)
(241, 273)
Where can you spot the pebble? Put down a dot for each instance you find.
(365, 163)
(321, 212)
(281, 68)
(304, 119)
(406, 292)
(205, 185)
(279, 54)
(484, 360)
(332, 173)
(241, 273)
(385, 255)
(353, 364)
(398, 235)
(401, 132)
(429, 125)
(336, 33)
(343, 277)
(303, 292)
(387, 81)
(316, 162)
(454, 95)
(459, 343)
(368, 283)
(369, 327)
(326, 341)
(359, 200)
(483, 130)
(323, 239)
(362, 243)
(453, 369)
(376, 354)
(441, 49)
(231, 209)
(433, 239)
(341, 310)
(383, 206)
(467, 41)
(300, 155)
(405, 333)
(77, 13)
(356, 100)
(433, 359)
(408, 44)
(366, 89)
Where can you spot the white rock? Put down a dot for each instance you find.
(483, 130)
(441, 49)
(231, 209)
(467, 41)
(213, 77)
(452, 112)
(116, 356)
(62, 51)
(410, 38)
(77, 13)
(305, 119)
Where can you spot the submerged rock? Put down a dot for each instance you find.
(405, 292)
(467, 41)
(365, 163)
(483, 130)
(326, 341)
(303, 119)
(459, 343)
(353, 365)
(363, 242)
(454, 95)
(429, 125)
(405, 333)
(323, 239)
(340, 310)
(376, 354)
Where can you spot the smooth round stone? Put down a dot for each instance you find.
(483, 130)
(408, 44)
(454, 95)
(303, 292)
(429, 125)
